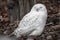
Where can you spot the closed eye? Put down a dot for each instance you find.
(35, 7)
(40, 7)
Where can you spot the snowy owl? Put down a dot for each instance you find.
(33, 23)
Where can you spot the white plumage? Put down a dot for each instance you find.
(33, 23)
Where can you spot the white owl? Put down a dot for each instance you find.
(33, 23)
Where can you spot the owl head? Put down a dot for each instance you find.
(39, 8)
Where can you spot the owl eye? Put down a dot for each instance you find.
(40, 7)
(34, 7)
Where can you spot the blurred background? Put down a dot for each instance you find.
(12, 11)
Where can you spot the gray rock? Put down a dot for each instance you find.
(4, 37)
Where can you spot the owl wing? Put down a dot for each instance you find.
(28, 24)
(27, 21)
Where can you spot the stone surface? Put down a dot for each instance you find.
(4, 37)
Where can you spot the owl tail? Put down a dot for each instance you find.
(12, 34)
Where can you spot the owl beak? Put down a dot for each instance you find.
(37, 9)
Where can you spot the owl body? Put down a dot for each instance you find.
(33, 23)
